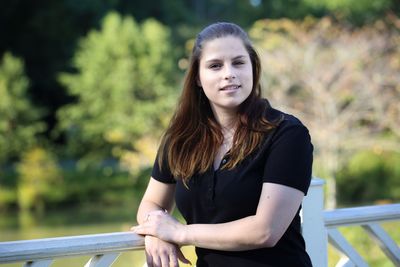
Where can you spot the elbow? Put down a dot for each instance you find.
(268, 239)
(138, 218)
(140, 214)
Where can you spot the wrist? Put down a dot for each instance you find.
(146, 215)
(183, 238)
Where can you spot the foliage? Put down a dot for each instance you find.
(360, 11)
(107, 185)
(46, 35)
(8, 194)
(342, 83)
(122, 85)
(39, 176)
(370, 176)
(143, 156)
(7, 198)
(19, 120)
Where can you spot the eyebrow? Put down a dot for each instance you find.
(216, 59)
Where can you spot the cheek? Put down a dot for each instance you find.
(206, 79)
(202, 78)
(249, 78)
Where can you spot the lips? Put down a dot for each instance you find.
(230, 87)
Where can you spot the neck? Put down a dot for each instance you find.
(226, 119)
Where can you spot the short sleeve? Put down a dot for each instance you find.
(164, 174)
(290, 159)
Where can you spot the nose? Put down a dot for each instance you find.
(229, 73)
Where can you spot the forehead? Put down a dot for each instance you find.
(223, 47)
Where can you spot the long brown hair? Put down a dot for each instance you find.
(193, 137)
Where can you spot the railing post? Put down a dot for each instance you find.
(104, 260)
(313, 226)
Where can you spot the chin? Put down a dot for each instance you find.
(232, 104)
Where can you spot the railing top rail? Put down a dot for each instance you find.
(316, 181)
(69, 246)
(361, 215)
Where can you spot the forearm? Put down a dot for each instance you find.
(158, 196)
(244, 234)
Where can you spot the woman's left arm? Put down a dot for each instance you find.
(275, 211)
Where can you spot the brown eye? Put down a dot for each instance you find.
(215, 66)
(238, 63)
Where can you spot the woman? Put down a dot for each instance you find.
(236, 168)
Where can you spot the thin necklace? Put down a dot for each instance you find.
(227, 143)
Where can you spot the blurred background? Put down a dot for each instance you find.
(87, 88)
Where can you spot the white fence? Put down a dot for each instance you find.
(319, 227)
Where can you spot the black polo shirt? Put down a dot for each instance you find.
(285, 157)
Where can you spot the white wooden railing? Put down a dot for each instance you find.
(319, 227)
(105, 249)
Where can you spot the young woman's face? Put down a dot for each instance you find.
(225, 73)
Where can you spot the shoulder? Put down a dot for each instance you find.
(288, 126)
(289, 152)
(283, 120)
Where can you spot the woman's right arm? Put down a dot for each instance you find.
(159, 253)
(158, 196)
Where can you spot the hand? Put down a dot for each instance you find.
(162, 225)
(162, 254)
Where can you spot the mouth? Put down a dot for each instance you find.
(231, 87)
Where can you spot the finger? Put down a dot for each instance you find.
(157, 262)
(140, 226)
(141, 230)
(149, 260)
(173, 260)
(164, 260)
(182, 257)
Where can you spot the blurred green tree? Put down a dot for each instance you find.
(361, 11)
(123, 84)
(39, 174)
(19, 120)
(370, 177)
